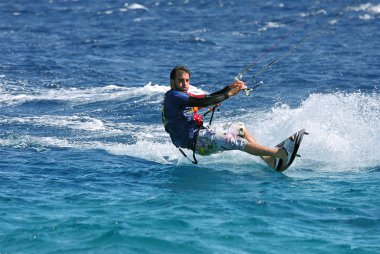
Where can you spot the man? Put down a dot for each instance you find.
(185, 126)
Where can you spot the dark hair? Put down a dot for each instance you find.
(178, 68)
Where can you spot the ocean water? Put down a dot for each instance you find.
(86, 166)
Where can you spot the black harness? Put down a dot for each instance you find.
(196, 133)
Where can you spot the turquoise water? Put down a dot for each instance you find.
(86, 166)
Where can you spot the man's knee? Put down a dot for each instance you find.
(242, 130)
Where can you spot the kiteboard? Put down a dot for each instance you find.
(291, 145)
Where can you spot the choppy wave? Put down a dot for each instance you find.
(367, 7)
(127, 7)
(15, 96)
(85, 160)
(270, 25)
(343, 127)
(75, 122)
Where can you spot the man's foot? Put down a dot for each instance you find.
(281, 153)
(287, 148)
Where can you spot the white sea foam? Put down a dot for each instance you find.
(135, 6)
(367, 7)
(366, 17)
(16, 96)
(343, 127)
(71, 122)
(37, 143)
(270, 25)
(158, 152)
(125, 8)
(318, 12)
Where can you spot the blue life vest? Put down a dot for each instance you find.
(180, 120)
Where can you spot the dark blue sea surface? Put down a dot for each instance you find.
(86, 166)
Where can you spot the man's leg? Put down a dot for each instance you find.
(267, 154)
(212, 140)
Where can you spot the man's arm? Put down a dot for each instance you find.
(222, 91)
(218, 96)
(207, 100)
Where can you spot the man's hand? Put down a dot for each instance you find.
(236, 87)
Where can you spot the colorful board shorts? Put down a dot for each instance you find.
(214, 139)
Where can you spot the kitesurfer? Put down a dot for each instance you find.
(185, 125)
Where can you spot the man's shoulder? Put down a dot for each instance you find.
(174, 97)
(176, 93)
(173, 91)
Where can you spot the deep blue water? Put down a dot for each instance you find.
(86, 167)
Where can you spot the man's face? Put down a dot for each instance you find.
(182, 81)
